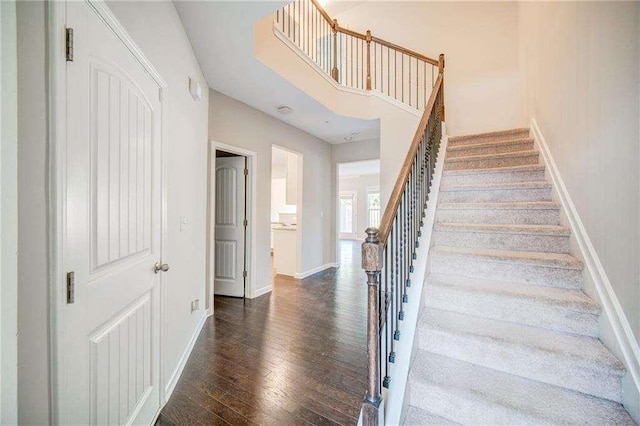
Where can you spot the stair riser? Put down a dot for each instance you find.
(496, 195)
(503, 241)
(453, 141)
(506, 271)
(505, 308)
(439, 401)
(490, 162)
(496, 149)
(502, 216)
(495, 177)
(551, 368)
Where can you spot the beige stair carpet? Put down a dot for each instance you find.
(507, 336)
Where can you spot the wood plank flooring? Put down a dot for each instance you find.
(296, 356)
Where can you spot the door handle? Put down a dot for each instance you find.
(160, 267)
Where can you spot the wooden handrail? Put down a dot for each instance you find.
(323, 12)
(396, 195)
(404, 50)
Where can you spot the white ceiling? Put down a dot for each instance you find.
(359, 168)
(221, 33)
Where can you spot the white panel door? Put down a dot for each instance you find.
(109, 336)
(230, 239)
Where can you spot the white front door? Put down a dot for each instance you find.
(108, 332)
(230, 235)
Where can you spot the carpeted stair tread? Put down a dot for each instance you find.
(504, 229)
(575, 300)
(530, 205)
(514, 154)
(488, 144)
(507, 169)
(416, 416)
(576, 362)
(497, 134)
(471, 394)
(496, 186)
(558, 260)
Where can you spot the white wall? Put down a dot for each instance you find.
(581, 69)
(480, 43)
(8, 215)
(33, 277)
(234, 123)
(156, 28)
(360, 185)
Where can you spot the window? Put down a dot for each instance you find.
(373, 207)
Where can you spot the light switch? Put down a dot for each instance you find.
(183, 223)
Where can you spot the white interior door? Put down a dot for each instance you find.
(230, 232)
(109, 334)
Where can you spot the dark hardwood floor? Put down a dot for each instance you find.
(295, 356)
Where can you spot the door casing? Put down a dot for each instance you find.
(56, 97)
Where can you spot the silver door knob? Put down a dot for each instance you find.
(160, 267)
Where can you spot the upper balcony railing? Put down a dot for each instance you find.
(359, 61)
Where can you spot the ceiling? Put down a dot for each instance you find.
(221, 34)
(359, 168)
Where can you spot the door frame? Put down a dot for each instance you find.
(251, 196)
(56, 130)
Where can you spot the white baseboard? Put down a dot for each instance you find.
(613, 310)
(263, 290)
(171, 384)
(310, 272)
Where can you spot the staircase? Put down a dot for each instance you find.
(507, 335)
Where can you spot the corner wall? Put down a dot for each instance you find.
(233, 123)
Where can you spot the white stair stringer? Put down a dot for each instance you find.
(507, 335)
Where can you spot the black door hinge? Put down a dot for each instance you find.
(69, 44)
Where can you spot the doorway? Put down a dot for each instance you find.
(286, 201)
(230, 222)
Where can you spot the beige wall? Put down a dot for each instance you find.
(581, 72)
(158, 31)
(233, 123)
(8, 215)
(480, 43)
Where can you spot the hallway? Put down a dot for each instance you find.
(295, 356)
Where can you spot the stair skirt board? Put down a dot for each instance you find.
(507, 334)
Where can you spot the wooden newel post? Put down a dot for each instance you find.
(368, 60)
(371, 263)
(334, 70)
(441, 71)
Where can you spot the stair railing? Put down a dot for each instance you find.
(356, 60)
(389, 252)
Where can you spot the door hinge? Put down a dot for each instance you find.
(246, 172)
(244, 274)
(71, 287)
(245, 223)
(69, 44)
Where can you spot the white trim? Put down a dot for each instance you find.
(173, 381)
(287, 42)
(264, 290)
(611, 306)
(252, 202)
(56, 99)
(305, 274)
(394, 396)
